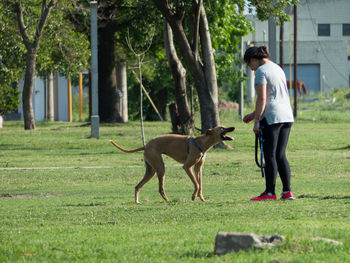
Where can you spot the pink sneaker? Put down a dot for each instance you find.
(287, 196)
(263, 197)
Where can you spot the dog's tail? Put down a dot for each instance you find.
(124, 150)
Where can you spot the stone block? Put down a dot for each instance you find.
(226, 242)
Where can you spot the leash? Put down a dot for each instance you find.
(260, 140)
(191, 139)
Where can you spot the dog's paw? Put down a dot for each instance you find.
(202, 198)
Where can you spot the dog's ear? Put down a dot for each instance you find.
(209, 131)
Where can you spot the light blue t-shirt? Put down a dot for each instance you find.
(278, 108)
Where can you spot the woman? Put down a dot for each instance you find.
(274, 117)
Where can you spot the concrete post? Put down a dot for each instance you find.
(122, 87)
(95, 118)
(50, 101)
(80, 96)
(70, 101)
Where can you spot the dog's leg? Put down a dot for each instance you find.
(188, 168)
(198, 171)
(155, 159)
(161, 177)
(160, 170)
(148, 176)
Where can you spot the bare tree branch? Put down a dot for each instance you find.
(44, 13)
(196, 8)
(22, 27)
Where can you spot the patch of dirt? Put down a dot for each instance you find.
(24, 196)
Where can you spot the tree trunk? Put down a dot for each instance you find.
(209, 102)
(203, 75)
(28, 88)
(109, 99)
(179, 75)
(174, 117)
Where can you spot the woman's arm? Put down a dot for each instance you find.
(259, 105)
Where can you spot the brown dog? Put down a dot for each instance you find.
(301, 87)
(190, 151)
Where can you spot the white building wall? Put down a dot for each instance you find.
(39, 97)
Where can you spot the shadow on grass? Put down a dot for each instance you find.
(199, 254)
(327, 197)
(84, 205)
(342, 148)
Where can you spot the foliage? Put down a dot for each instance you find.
(157, 81)
(11, 62)
(271, 8)
(74, 214)
(227, 25)
(62, 49)
(9, 98)
(145, 35)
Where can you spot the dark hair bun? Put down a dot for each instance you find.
(256, 52)
(263, 52)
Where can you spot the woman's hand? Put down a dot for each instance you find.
(256, 127)
(249, 117)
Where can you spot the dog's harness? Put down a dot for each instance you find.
(191, 139)
(259, 139)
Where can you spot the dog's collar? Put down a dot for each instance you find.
(195, 144)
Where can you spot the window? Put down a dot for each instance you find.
(346, 29)
(324, 30)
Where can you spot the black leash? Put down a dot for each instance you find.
(259, 140)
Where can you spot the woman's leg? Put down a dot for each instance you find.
(282, 162)
(270, 135)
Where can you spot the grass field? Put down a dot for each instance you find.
(73, 212)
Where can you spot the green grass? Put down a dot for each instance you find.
(87, 215)
(331, 107)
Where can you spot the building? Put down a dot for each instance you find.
(323, 43)
(41, 96)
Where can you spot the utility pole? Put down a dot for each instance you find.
(282, 44)
(95, 118)
(295, 60)
(272, 40)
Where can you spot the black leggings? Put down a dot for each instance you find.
(275, 142)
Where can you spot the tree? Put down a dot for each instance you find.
(227, 26)
(31, 42)
(186, 121)
(114, 16)
(62, 49)
(203, 73)
(44, 46)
